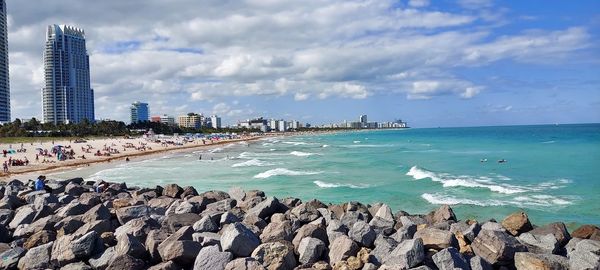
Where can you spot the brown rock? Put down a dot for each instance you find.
(585, 231)
(517, 223)
(436, 239)
(532, 261)
(39, 238)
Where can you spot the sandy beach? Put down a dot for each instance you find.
(36, 157)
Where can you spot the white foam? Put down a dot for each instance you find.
(302, 154)
(296, 143)
(284, 171)
(450, 200)
(252, 163)
(356, 142)
(325, 145)
(322, 184)
(548, 142)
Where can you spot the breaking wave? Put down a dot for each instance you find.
(302, 154)
(322, 184)
(284, 171)
(252, 163)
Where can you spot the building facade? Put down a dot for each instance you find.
(139, 112)
(4, 78)
(167, 119)
(215, 122)
(191, 120)
(67, 96)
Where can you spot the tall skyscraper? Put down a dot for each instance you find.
(4, 83)
(139, 112)
(215, 122)
(67, 96)
(363, 120)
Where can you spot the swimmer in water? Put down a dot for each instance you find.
(502, 161)
(483, 160)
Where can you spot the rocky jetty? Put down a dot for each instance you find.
(173, 227)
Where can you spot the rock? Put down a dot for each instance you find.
(477, 263)
(205, 224)
(341, 248)
(311, 250)
(160, 205)
(406, 255)
(211, 258)
(177, 221)
(37, 257)
(187, 207)
(309, 230)
(586, 255)
(275, 255)
(335, 228)
(188, 191)
(469, 232)
(76, 266)
(267, 208)
(126, 262)
(98, 212)
(127, 244)
(532, 261)
(173, 191)
(444, 213)
(102, 260)
(74, 189)
(6, 215)
(239, 240)
(517, 223)
(153, 239)
(73, 208)
(382, 226)
(349, 218)
(23, 215)
(436, 239)
(450, 259)
(244, 264)
(307, 212)
(492, 226)
(39, 238)
(363, 234)
(253, 220)
(585, 231)
(126, 214)
(497, 248)
(237, 193)
(558, 229)
(383, 246)
(99, 226)
(542, 244)
(10, 258)
(168, 265)
(108, 239)
(276, 231)
(180, 248)
(71, 248)
(228, 218)
(139, 227)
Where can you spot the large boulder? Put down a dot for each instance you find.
(307, 212)
(436, 239)
(586, 232)
(177, 221)
(586, 255)
(23, 215)
(450, 259)
(6, 215)
(363, 234)
(244, 264)
(239, 240)
(211, 258)
(532, 261)
(40, 238)
(342, 248)
(10, 258)
(517, 223)
(310, 230)
(267, 208)
(128, 244)
(542, 244)
(276, 231)
(275, 255)
(442, 214)
(172, 190)
(168, 265)
(180, 248)
(311, 250)
(406, 255)
(558, 229)
(102, 260)
(478, 263)
(37, 257)
(497, 248)
(126, 262)
(205, 224)
(126, 214)
(72, 248)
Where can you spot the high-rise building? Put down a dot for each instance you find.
(191, 120)
(4, 78)
(363, 120)
(139, 112)
(167, 119)
(215, 122)
(67, 95)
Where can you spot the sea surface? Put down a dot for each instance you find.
(552, 171)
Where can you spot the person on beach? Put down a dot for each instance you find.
(40, 184)
(5, 167)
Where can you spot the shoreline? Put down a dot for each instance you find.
(174, 227)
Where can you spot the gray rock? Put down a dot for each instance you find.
(72, 248)
(444, 213)
(267, 208)
(98, 212)
(74, 189)
(307, 212)
(244, 264)
(139, 227)
(492, 226)
(207, 238)
(237, 193)
(153, 239)
(73, 208)
(309, 230)
(99, 226)
(168, 265)
(180, 248)
(239, 240)
(172, 190)
(126, 262)
(39, 238)
(187, 207)
(341, 248)
(311, 250)
(205, 224)
(335, 228)
(23, 215)
(468, 231)
(384, 245)
(542, 244)
(37, 257)
(102, 260)
(382, 226)
(275, 255)
(177, 221)
(570, 247)
(558, 229)
(127, 244)
(405, 232)
(450, 259)
(586, 255)
(6, 215)
(211, 258)
(363, 234)
(496, 247)
(478, 263)
(528, 260)
(349, 218)
(228, 218)
(125, 214)
(10, 258)
(76, 266)
(407, 254)
(277, 231)
(436, 239)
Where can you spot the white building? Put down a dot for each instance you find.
(166, 119)
(4, 78)
(67, 96)
(215, 122)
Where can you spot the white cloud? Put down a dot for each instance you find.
(418, 3)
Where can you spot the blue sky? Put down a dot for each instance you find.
(431, 63)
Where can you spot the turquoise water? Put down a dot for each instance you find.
(552, 172)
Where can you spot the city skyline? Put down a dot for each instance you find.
(431, 63)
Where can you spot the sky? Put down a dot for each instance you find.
(430, 63)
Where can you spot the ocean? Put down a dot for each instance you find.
(551, 171)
